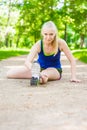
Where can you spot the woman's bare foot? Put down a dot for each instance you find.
(43, 79)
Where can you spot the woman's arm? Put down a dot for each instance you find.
(66, 50)
(32, 55)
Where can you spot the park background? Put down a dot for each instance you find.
(21, 21)
(57, 105)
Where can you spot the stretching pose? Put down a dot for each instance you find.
(48, 50)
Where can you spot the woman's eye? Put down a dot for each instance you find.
(51, 34)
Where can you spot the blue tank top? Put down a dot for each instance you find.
(46, 61)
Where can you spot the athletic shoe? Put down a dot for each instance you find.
(35, 73)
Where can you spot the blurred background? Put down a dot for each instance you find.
(21, 21)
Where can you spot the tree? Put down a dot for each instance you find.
(33, 14)
(78, 12)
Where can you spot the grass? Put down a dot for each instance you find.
(6, 53)
(81, 55)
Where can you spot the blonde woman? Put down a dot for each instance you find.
(48, 50)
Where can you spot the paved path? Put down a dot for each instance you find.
(58, 105)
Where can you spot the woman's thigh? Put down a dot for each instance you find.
(19, 72)
(51, 73)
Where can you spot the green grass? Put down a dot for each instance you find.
(81, 55)
(6, 53)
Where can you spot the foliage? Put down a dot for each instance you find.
(81, 55)
(21, 21)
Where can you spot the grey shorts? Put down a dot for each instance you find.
(60, 71)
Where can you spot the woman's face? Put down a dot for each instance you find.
(48, 35)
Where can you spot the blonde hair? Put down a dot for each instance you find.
(51, 25)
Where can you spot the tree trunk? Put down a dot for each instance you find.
(7, 24)
(82, 41)
(65, 32)
(6, 40)
(17, 42)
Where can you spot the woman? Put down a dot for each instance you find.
(48, 50)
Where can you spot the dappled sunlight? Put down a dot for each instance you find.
(78, 66)
(17, 59)
(14, 66)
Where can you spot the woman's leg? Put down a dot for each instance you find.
(49, 74)
(20, 72)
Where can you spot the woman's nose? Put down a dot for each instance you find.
(48, 36)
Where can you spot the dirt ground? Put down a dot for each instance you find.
(58, 105)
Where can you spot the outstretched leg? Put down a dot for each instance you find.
(21, 72)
